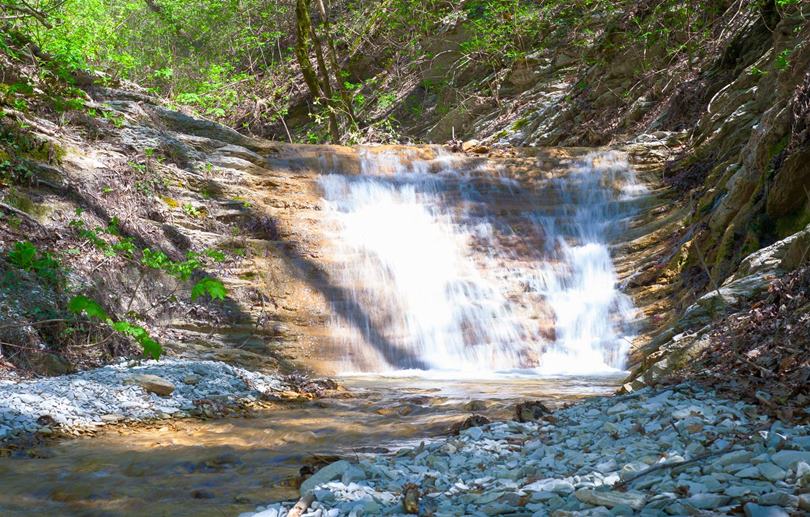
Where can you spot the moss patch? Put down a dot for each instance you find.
(791, 224)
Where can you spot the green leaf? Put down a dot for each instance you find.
(215, 255)
(23, 255)
(83, 305)
(210, 286)
(150, 347)
(155, 259)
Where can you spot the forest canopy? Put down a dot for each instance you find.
(254, 63)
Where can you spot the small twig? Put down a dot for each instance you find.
(708, 273)
(22, 347)
(104, 261)
(135, 290)
(662, 466)
(755, 365)
(33, 323)
(677, 430)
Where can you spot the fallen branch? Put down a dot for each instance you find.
(301, 506)
(662, 466)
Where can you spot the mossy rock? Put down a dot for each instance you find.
(22, 201)
(789, 192)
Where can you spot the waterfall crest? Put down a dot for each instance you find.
(450, 265)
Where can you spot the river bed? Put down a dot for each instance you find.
(227, 466)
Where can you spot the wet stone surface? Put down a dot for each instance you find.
(226, 466)
(676, 452)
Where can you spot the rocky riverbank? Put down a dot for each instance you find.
(127, 391)
(681, 451)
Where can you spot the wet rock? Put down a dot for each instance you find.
(221, 462)
(324, 475)
(474, 147)
(475, 405)
(47, 420)
(469, 422)
(153, 384)
(410, 498)
(530, 410)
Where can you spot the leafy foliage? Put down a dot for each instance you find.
(109, 239)
(27, 257)
(83, 305)
(195, 51)
(210, 286)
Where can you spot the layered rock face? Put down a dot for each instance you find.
(181, 184)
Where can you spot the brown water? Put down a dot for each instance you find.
(230, 465)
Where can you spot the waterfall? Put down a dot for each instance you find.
(451, 265)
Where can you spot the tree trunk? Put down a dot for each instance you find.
(305, 33)
(302, 31)
(334, 63)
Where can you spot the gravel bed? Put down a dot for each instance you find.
(117, 392)
(683, 451)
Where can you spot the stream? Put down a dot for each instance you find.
(458, 291)
(227, 466)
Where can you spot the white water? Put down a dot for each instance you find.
(452, 269)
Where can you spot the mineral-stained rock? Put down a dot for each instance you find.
(471, 421)
(153, 384)
(530, 410)
(410, 498)
(325, 475)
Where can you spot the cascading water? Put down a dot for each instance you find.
(446, 265)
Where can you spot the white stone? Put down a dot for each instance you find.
(557, 486)
(324, 475)
(610, 499)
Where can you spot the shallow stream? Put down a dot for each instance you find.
(227, 466)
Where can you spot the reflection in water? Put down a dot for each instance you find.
(228, 466)
(458, 269)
